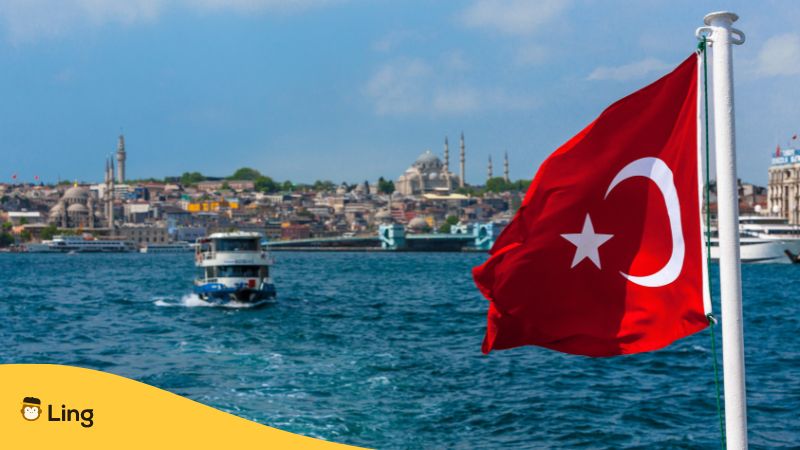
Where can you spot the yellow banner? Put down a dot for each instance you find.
(59, 407)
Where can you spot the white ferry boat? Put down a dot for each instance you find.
(80, 244)
(235, 268)
(173, 247)
(763, 239)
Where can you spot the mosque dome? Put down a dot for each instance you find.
(76, 194)
(428, 159)
(418, 224)
(77, 208)
(57, 210)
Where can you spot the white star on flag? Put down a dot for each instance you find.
(586, 243)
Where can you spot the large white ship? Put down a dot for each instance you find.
(763, 239)
(80, 244)
(172, 247)
(235, 268)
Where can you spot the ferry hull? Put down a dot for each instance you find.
(220, 293)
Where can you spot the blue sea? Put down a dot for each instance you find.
(383, 350)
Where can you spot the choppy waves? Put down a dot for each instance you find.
(383, 350)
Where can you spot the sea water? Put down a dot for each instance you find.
(383, 350)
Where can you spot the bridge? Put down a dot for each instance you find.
(393, 237)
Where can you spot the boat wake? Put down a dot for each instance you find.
(193, 301)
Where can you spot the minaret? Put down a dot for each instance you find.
(489, 169)
(121, 160)
(461, 181)
(110, 192)
(446, 156)
(505, 169)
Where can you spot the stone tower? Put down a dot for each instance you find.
(489, 169)
(505, 169)
(121, 159)
(109, 193)
(461, 181)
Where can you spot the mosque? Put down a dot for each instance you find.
(78, 207)
(429, 175)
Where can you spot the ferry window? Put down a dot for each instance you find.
(229, 245)
(238, 271)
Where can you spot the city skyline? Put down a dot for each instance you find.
(214, 86)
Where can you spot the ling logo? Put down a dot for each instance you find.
(32, 410)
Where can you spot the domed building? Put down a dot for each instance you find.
(76, 209)
(418, 225)
(427, 175)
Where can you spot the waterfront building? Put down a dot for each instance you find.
(189, 234)
(783, 194)
(144, 233)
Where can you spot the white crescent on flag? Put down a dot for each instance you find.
(658, 171)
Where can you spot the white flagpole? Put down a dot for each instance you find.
(719, 24)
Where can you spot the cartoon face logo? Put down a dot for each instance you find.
(31, 408)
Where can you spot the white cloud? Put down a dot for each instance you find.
(395, 87)
(413, 86)
(531, 54)
(634, 70)
(456, 61)
(394, 39)
(456, 100)
(257, 5)
(512, 16)
(780, 55)
(28, 20)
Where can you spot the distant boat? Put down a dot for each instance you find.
(80, 244)
(174, 247)
(235, 268)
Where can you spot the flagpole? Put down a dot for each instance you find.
(722, 36)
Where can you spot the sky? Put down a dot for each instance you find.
(350, 90)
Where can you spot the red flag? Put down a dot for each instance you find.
(605, 255)
(794, 136)
(14, 176)
(778, 150)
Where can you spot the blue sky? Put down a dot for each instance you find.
(353, 90)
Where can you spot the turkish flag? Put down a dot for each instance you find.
(605, 256)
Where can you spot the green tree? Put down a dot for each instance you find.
(448, 223)
(385, 186)
(225, 185)
(245, 173)
(7, 226)
(324, 185)
(6, 239)
(25, 236)
(497, 184)
(48, 232)
(287, 186)
(191, 178)
(266, 184)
